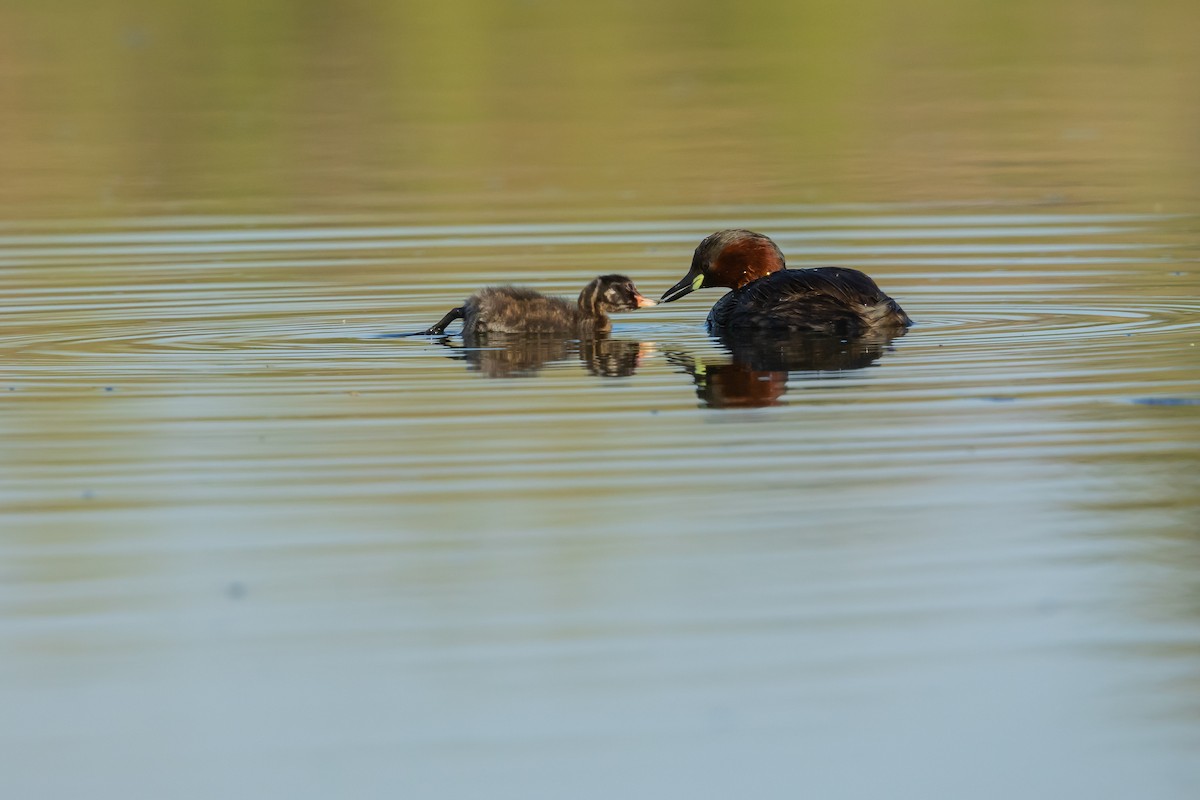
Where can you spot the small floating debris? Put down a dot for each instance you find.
(1167, 401)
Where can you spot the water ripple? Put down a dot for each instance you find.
(140, 299)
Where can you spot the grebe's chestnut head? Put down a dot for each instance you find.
(611, 293)
(732, 259)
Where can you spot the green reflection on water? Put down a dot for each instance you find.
(475, 106)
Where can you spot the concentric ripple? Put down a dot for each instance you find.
(1016, 320)
(138, 298)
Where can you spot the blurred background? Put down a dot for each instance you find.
(494, 108)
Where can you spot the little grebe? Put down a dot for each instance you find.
(768, 296)
(513, 309)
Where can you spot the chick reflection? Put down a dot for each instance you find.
(522, 355)
(758, 373)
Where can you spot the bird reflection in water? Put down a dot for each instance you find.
(522, 355)
(757, 375)
(754, 376)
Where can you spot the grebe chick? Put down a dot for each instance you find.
(515, 309)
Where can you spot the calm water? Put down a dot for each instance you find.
(252, 545)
